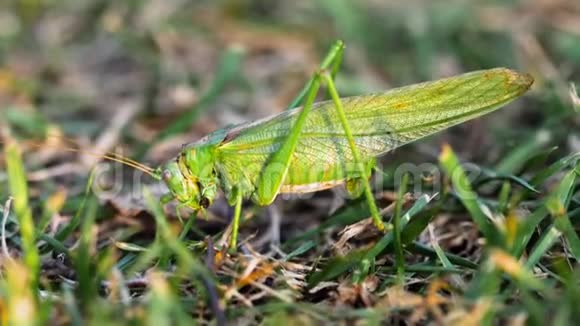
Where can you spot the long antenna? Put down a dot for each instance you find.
(108, 155)
(104, 155)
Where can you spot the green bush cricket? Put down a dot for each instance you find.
(324, 144)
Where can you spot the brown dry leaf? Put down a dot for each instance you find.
(347, 294)
(263, 270)
(350, 294)
(367, 288)
(294, 275)
(397, 297)
(434, 300)
(220, 257)
(350, 232)
(507, 263)
(458, 236)
(474, 316)
(323, 285)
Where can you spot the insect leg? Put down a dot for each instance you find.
(331, 60)
(275, 171)
(166, 199)
(236, 220)
(355, 186)
(362, 171)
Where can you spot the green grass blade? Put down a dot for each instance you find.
(388, 238)
(336, 267)
(341, 264)
(83, 259)
(468, 197)
(54, 244)
(71, 306)
(19, 190)
(516, 159)
(172, 246)
(417, 207)
(303, 248)
(546, 241)
(556, 205)
(493, 176)
(164, 306)
(541, 177)
(563, 224)
(421, 249)
(74, 223)
(526, 230)
(399, 258)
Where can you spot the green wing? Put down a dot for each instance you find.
(380, 122)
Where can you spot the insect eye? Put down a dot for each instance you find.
(166, 175)
(204, 202)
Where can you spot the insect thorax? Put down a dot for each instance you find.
(198, 165)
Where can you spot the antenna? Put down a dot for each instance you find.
(114, 157)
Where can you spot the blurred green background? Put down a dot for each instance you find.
(145, 77)
(74, 65)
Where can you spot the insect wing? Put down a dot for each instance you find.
(380, 122)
